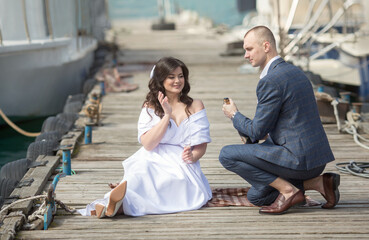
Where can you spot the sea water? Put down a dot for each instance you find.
(226, 12)
(13, 145)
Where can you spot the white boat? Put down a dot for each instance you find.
(335, 48)
(46, 51)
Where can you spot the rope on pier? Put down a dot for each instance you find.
(20, 201)
(16, 128)
(350, 126)
(354, 168)
(38, 214)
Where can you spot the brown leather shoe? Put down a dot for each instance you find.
(331, 181)
(281, 205)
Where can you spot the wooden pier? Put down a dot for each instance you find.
(212, 77)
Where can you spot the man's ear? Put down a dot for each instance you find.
(266, 46)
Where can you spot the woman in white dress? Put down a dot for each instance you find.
(163, 176)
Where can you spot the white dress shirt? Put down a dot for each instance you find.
(265, 70)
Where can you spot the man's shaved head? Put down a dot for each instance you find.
(263, 34)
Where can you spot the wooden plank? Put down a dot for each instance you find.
(212, 78)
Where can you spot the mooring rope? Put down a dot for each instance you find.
(21, 200)
(350, 126)
(16, 128)
(352, 167)
(39, 213)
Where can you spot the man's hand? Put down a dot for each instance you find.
(229, 109)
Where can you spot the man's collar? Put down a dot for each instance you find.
(266, 68)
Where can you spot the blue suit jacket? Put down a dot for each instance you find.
(287, 111)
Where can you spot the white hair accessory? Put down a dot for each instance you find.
(152, 72)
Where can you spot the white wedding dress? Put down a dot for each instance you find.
(159, 181)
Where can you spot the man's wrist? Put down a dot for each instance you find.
(234, 114)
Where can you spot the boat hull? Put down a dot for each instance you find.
(37, 81)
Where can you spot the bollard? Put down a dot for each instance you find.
(88, 132)
(94, 97)
(50, 200)
(102, 86)
(67, 169)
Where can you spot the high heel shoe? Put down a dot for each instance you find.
(100, 210)
(116, 199)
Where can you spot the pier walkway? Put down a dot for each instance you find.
(212, 77)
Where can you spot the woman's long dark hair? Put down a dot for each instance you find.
(163, 68)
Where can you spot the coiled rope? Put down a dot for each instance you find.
(350, 125)
(352, 167)
(16, 128)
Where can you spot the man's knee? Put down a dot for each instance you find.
(225, 157)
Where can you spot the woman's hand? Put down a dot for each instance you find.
(164, 104)
(187, 155)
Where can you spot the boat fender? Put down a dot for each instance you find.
(55, 124)
(80, 97)
(89, 85)
(45, 147)
(52, 135)
(68, 117)
(16, 169)
(73, 107)
(7, 186)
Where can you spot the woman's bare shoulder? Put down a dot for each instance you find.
(197, 105)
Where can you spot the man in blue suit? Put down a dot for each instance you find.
(296, 148)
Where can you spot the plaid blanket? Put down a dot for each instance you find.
(223, 197)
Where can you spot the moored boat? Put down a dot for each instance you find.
(46, 51)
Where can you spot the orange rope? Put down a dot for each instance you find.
(16, 128)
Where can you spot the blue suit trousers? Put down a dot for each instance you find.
(260, 173)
